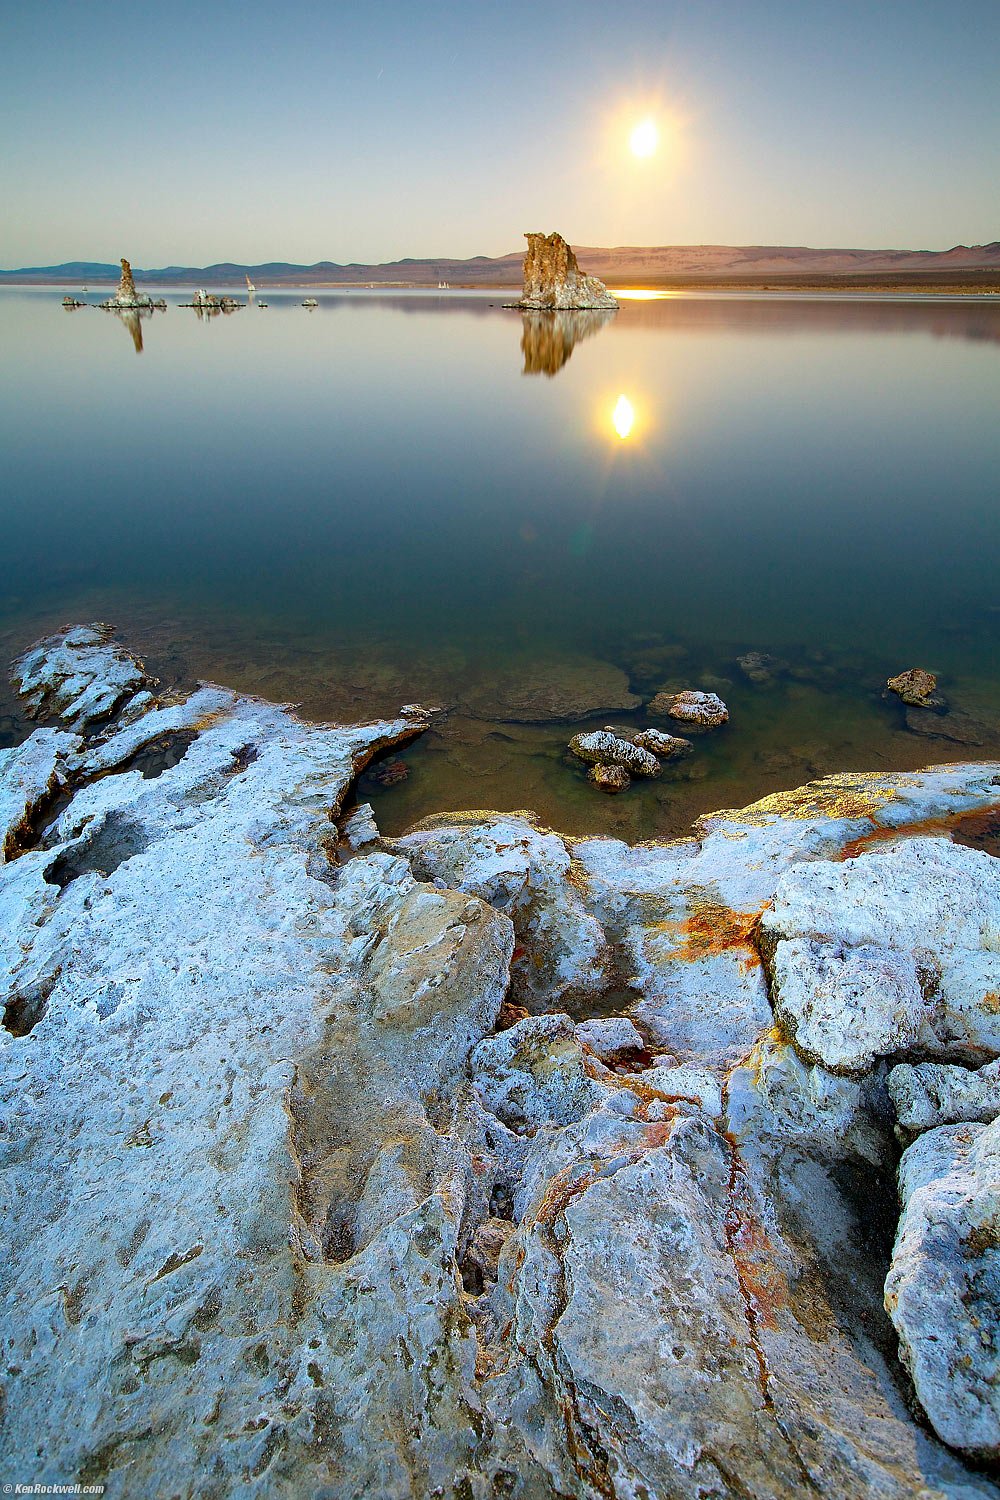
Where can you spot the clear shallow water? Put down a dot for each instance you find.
(371, 502)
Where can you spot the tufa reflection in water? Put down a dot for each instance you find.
(549, 338)
(132, 319)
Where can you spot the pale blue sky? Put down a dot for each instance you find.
(251, 132)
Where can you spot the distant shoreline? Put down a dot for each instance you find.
(955, 283)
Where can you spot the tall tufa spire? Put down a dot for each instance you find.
(126, 287)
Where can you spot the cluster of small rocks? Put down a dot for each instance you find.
(616, 755)
(761, 668)
(207, 302)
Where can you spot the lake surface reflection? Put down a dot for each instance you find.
(368, 503)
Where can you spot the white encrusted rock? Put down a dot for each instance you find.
(78, 675)
(31, 776)
(600, 747)
(706, 710)
(529, 874)
(942, 1291)
(535, 1074)
(698, 1086)
(670, 746)
(284, 1212)
(926, 1095)
(846, 1006)
(895, 949)
(775, 1101)
(607, 1036)
(725, 1368)
(360, 831)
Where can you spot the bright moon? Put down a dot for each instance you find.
(623, 416)
(644, 139)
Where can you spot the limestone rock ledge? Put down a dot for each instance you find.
(317, 1181)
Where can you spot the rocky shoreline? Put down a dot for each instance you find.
(484, 1161)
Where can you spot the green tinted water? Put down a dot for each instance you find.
(373, 503)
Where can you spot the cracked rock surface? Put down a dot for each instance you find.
(942, 1292)
(482, 1161)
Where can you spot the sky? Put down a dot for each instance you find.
(190, 134)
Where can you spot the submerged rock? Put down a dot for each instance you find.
(956, 726)
(601, 747)
(292, 1207)
(390, 772)
(706, 710)
(942, 1291)
(552, 278)
(610, 778)
(915, 687)
(760, 668)
(547, 690)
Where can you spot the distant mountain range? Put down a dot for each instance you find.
(619, 265)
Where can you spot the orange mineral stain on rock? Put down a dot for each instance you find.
(967, 824)
(713, 929)
(763, 1286)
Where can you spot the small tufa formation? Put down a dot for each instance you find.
(670, 746)
(610, 779)
(916, 688)
(552, 278)
(205, 302)
(704, 710)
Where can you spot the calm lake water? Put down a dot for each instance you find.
(417, 495)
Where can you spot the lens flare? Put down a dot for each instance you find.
(644, 138)
(623, 416)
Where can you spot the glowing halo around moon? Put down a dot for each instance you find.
(623, 417)
(644, 139)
